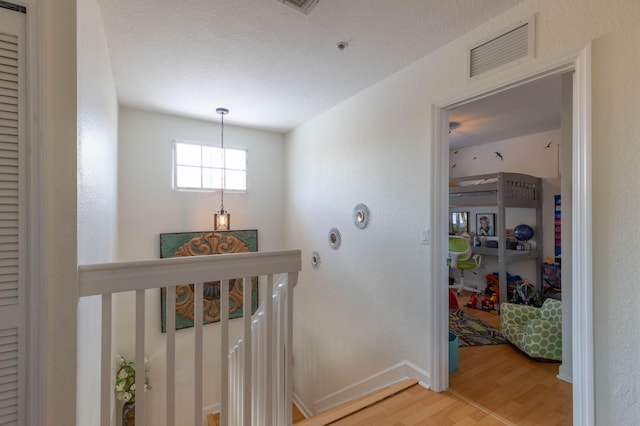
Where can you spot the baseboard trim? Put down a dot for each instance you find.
(344, 410)
(565, 373)
(301, 406)
(385, 378)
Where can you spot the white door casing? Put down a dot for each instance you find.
(13, 217)
(582, 300)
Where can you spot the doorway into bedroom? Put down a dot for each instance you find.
(526, 131)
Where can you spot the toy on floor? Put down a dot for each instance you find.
(486, 303)
(492, 284)
(491, 303)
(527, 294)
(474, 302)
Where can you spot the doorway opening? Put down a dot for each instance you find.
(512, 139)
(581, 294)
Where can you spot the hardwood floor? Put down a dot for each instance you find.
(494, 385)
(517, 388)
(509, 383)
(297, 415)
(489, 317)
(419, 406)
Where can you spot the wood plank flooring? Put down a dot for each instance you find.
(297, 415)
(507, 382)
(503, 380)
(494, 385)
(344, 410)
(419, 406)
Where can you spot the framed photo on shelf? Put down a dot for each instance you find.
(459, 222)
(485, 224)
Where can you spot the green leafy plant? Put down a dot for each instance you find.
(126, 380)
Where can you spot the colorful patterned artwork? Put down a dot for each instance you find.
(206, 243)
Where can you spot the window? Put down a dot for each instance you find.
(200, 166)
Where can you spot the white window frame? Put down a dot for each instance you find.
(216, 186)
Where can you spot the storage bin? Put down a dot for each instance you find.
(453, 352)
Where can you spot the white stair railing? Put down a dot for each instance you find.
(106, 279)
(270, 386)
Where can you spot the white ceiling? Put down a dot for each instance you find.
(271, 65)
(524, 110)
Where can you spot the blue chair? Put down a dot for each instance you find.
(462, 258)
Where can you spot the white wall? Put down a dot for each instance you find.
(97, 192)
(525, 154)
(365, 309)
(616, 197)
(148, 206)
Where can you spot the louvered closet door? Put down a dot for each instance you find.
(13, 305)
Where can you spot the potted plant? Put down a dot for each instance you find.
(126, 389)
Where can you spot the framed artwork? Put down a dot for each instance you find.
(485, 224)
(459, 222)
(207, 243)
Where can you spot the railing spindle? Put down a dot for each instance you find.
(224, 353)
(198, 323)
(105, 362)
(139, 358)
(268, 312)
(170, 325)
(256, 393)
(292, 279)
(280, 350)
(246, 391)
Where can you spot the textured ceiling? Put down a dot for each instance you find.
(271, 65)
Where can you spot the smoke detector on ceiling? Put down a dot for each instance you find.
(303, 6)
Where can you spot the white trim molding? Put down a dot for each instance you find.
(390, 376)
(578, 62)
(439, 312)
(36, 290)
(582, 282)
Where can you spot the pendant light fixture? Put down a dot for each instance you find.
(222, 218)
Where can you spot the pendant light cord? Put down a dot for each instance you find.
(223, 164)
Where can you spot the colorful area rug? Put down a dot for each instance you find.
(471, 331)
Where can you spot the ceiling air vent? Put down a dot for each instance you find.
(303, 6)
(512, 46)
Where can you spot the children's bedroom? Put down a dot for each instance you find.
(509, 228)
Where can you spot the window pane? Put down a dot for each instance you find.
(187, 154)
(236, 159)
(236, 180)
(211, 178)
(188, 177)
(211, 156)
(200, 166)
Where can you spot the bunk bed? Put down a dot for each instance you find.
(503, 190)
